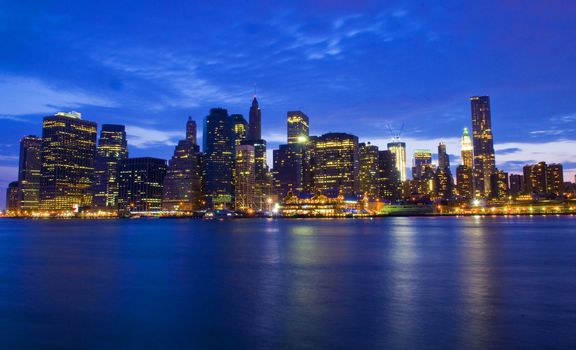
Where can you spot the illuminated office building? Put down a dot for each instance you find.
(543, 179)
(68, 153)
(464, 183)
(245, 178)
(399, 150)
(240, 128)
(555, 179)
(499, 186)
(112, 148)
(368, 170)
(388, 176)
(336, 168)
(484, 159)
(423, 172)
(182, 181)
(141, 184)
(298, 127)
(29, 173)
(288, 168)
(444, 183)
(219, 167)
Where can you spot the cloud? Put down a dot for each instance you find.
(145, 137)
(23, 95)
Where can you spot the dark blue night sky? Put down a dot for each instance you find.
(354, 66)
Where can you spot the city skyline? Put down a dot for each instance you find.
(402, 64)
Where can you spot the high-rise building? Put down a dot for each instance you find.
(336, 163)
(484, 159)
(516, 184)
(388, 176)
(191, 131)
(368, 170)
(112, 148)
(29, 173)
(298, 127)
(543, 179)
(219, 149)
(240, 128)
(255, 121)
(245, 178)
(68, 152)
(140, 184)
(12, 204)
(309, 165)
(444, 183)
(499, 186)
(423, 172)
(466, 150)
(182, 182)
(399, 150)
(555, 179)
(464, 183)
(288, 168)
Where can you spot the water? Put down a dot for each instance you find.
(403, 283)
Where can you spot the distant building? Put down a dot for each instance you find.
(182, 183)
(29, 175)
(464, 183)
(368, 170)
(240, 128)
(388, 176)
(484, 159)
(191, 131)
(298, 127)
(288, 167)
(444, 183)
(12, 197)
(499, 185)
(516, 184)
(68, 153)
(112, 148)
(466, 149)
(219, 150)
(543, 179)
(336, 163)
(423, 172)
(246, 178)
(255, 121)
(141, 184)
(399, 150)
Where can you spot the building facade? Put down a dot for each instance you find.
(112, 148)
(245, 178)
(484, 159)
(141, 184)
(368, 170)
(336, 163)
(68, 154)
(29, 173)
(399, 150)
(298, 126)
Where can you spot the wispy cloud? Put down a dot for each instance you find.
(23, 95)
(146, 137)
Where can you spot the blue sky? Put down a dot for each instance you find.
(354, 66)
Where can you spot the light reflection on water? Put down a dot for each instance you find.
(468, 283)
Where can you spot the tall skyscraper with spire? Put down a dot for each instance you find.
(466, 149)
(255, 121)
(484, 159)
(464, 173)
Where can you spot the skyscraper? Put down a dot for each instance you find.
(388, 176)
(68, 152)
(240, 128)
(516, 184)
(399, 150)
(12, 197)
(112, 148)
(484, 159)
(298, 127)
(219, 149)
(191, 131)
(444, 183)
(423, 172)
(499, 185)
(336, 163)
(288, 168)
(140, 184)
(466, 149)
(29, 173)
(245, 178)
(255, 121)
(368, 170)
(182, 181)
